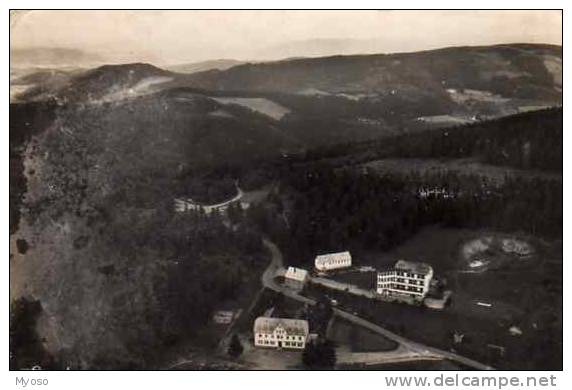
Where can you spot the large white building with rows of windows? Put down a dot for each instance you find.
(406, 279)
(333, 261)
(280, 333)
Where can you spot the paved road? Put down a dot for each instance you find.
(189, 204)
(398, 355)
(349, 288)
(416, 350)
(276, 264)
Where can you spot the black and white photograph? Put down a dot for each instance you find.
(286, 190)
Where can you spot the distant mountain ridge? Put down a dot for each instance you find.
(496, 68)
(202, 66)
(97, 83)
(322, 47)
(338, 98)
(56, 56)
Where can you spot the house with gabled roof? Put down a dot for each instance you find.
(280, 333)
(295, 277)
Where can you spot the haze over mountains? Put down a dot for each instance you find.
(328, 47)
(52, 57)
(340, 97)
(202, 66)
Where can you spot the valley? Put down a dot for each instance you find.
(144, 201)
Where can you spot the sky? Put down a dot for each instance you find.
(170, 37)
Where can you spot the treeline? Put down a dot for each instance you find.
(196, 263)
(528, 140)
(208, 190)
(325, 211)
(207, 264)
(26, 346)
(26, 120)
(531, 140)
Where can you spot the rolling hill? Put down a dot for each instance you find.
(202, 66)
(98, 156)
(508, 70)
(340, 98)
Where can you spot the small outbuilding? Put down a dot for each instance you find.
(295, 277)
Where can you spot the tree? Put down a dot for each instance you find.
(26, 347)
(235, 348)
(327, 355)
(235, 213)
(319, 355)
(309, 356)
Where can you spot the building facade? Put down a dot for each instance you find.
(295, 277)
(280, 333)
(333, 261)
(407, 279)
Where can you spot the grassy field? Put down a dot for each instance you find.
(526, 294)
(359, 339)
(261, 105)
(365, 280)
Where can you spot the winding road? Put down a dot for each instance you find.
(189, 204)
(407, 350)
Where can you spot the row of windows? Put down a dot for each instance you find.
(399, 280)
(401, 287)
(329, 262)
(409, 281)
(401, 273)
(292, 344)
(279, 336)
(409, 274)
(285, 343)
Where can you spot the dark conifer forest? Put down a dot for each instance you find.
(327, 206)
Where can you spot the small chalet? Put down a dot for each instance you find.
(295, 277)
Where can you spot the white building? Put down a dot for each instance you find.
(280, 333)
(295, 277)
(183, 205)
(332, 261)
(406, 279)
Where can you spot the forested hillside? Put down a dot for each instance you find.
(329, 211)
(531, 140)
(105, 274)
(327, 205)
(117, 274)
